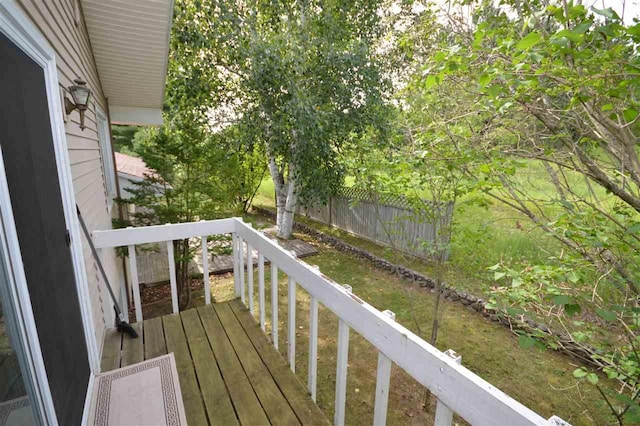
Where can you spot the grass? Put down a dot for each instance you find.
(482, 236)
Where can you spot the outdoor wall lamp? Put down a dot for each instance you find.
(80, 94)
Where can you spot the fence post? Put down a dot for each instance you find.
(331, 210)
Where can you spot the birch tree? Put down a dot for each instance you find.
(302, 79)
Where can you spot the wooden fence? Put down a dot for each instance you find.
(386, 219)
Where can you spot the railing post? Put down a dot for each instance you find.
(241, 266)
(292, 324)
(274, 304)
(261, 291)
(250, 276)
(135, 286)
(236, 274)
(444, 414)
(341, 370)
(382, 385)
(313, 345)
(172, 277)
(205, 271)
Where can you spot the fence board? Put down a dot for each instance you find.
(389, 221)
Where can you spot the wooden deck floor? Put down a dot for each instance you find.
(229, 371)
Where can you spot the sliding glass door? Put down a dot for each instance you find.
(18, 397)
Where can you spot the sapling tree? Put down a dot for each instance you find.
(555, 87)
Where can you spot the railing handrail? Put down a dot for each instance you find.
(161, 233)
(464, 392)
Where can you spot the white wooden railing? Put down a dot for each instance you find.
(457, 389)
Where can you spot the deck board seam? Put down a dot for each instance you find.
(239, 362)
(193, 366)
(235, 410)
(274, 378)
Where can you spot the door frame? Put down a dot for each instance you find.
(17, 26)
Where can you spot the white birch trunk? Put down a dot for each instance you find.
(280, 189)
(286, 224)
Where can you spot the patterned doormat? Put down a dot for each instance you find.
(16, 412)
(147, 393)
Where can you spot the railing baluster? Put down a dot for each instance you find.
(313, 347)
(444, 414)
(250, 276)
(261, 291)
(205, 271)
(236, 274)
(274, 304)
(133, 268)
(313, 344)
(292, 324)
(382, 385)
(341, 370)
(172, 277)
(241, 256)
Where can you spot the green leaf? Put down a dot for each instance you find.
(569, 35)
(561, 300)
(629, 114)
(579, 373)
(633, 229)
(529, 41)
(607, 13)
(606, 315)
(593, 378)
(497, 275)
(573, 277)
(572, 309)
(484, 79)
(526, 342)
(583, 27)
(430, 81)
(494, 90)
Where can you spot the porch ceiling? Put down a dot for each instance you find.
(130, 42)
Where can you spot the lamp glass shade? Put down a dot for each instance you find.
(81, 95)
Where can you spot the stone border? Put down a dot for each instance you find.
(565, 344)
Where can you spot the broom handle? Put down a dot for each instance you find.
(102, 272)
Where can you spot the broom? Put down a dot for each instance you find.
(122, 325)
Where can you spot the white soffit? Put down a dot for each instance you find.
(130, 43)
(135, 116)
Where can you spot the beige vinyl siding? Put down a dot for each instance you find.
(56, 20)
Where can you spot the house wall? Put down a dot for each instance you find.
(62, 24)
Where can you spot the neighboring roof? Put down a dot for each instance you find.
(130, 43)
(132, 166)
